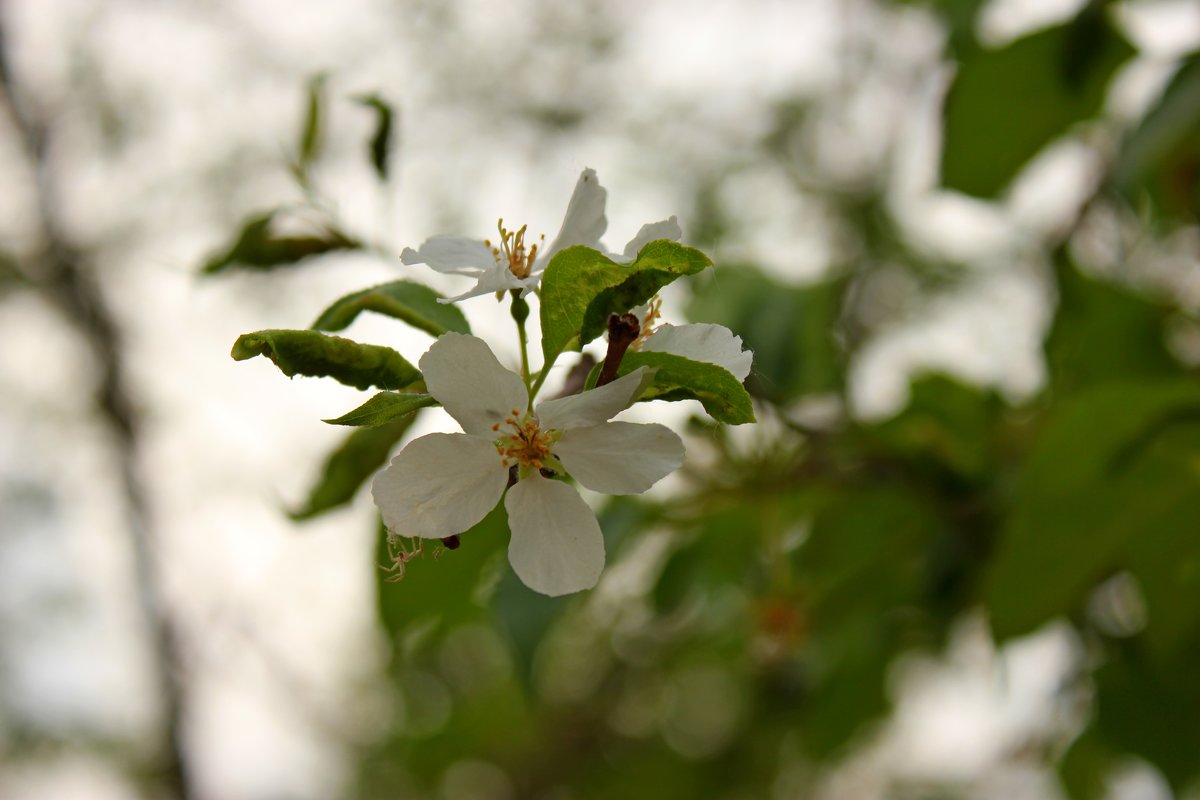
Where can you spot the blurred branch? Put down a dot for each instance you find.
(64, 276)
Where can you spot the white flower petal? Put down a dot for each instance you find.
(620, 457)
(556, 546)
(464, 376)
(584, 222)
(595, 405)
(453, 255)
(439, 485)
(497, 279)
(652, 232)
(714, 344)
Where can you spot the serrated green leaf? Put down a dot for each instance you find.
(257, 248)
(679, 378)
(582, 287)
(380, 146)
(383, 408)
(1094, 484)
(349, 466)
(1006, 105)
(316, 354)
(410, 302)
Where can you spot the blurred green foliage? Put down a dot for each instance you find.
(748, 624)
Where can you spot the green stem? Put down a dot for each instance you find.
(541, 378)
(520, 313)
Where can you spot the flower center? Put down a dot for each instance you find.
(527, 445)
(513, 252)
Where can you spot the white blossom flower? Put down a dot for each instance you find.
(514, 263)
(444, 483)
(701, 341)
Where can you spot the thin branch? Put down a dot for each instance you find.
(66, 279)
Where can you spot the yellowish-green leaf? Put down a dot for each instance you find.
(582, 287)
(383, 408)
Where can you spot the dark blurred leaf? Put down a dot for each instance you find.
(790, 330)
(380, 146)
(1085, 767)
(1104, 332)
(581, 287)
(406, 301)
(1006, 105)
(1165, 555)
(441, 586)
(316, 354)
(864, 566)
(383, 408)
(679, 378)
(724, 552)
(525, 616)
(1152, 709)
(1095, 482)
(354, 461)
(1159, 161)
(946, 422)
(257, 248)
(312, 133)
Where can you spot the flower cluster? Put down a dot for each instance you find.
(442, 484)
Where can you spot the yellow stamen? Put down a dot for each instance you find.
(649, 322)
(513, 251)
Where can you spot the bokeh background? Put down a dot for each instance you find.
(959, 556)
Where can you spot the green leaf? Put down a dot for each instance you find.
(1006, 105)
(1094, 485)
(1085, 767)
(866, 557)
(448, 589)
(380, 146)
(410, 302)
(257, 248)
(1151, 709)
(349, 466)
(582, 287)
(312, 134)
(679, 378)
(947, 428)
(1159, 161)
(383, 408)
(1105, 332)
(318, 355)
(790, 329)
